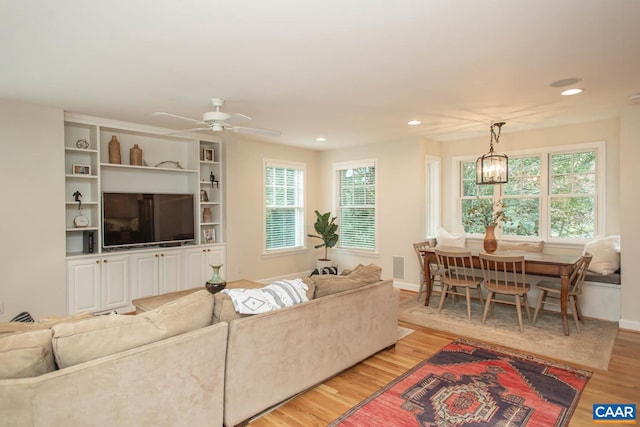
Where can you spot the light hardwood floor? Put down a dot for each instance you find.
(326, 402)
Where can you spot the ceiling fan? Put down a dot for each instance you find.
(219, 121)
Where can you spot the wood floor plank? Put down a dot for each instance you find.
(326, 402)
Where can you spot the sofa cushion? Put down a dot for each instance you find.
(26, 354)
(89, 339)
(359, 276)
(45, 323)
(368, 273)
(606, 255)
(537, 247)
(328, 285)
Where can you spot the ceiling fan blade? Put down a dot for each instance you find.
(265, 132)
(238, 115)
(200, 122)
(186, 130)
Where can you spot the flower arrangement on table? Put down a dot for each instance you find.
(485, 213)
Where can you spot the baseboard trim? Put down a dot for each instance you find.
(630, 325)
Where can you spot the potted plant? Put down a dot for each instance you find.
(326, 228)
(489, 215)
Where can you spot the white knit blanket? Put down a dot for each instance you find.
(276, 295)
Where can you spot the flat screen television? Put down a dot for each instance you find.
(135, 219)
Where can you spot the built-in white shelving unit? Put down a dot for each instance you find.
(100, 279)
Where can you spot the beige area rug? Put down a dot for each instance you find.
(591, 347)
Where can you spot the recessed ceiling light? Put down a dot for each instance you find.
(565, 82)
(414, 122)
(321, 139)
(571, 92)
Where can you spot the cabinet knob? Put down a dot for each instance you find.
(105, 261)
(97, 261)
(161, 254)
(156, 255)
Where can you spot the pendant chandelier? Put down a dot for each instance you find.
(493, 168)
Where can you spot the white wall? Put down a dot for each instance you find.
(32, 254)
(245, 215)
(629, 224)
(401, 204)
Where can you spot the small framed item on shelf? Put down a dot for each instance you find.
(208, 235)
(207, 154)
(80, 221)
(81, 170)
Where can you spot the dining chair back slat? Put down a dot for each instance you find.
(435, 272)
(458, 272)
(504, 277)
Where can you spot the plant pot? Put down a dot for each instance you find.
(490, 242)
(322, 263)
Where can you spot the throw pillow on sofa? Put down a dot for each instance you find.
(26, 354)
(100, 336)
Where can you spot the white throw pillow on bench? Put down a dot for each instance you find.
(606, 255)
(457, 239)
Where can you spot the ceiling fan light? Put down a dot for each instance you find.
(570, 92)
(217, 127)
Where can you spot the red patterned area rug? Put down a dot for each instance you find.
(468, 383)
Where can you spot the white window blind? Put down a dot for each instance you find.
(284, 205)
(356, 187)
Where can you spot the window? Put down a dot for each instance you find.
(551, 196)
(284, 205)
(573, 195)
(356, 204)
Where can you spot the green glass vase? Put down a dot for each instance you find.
(216, 283)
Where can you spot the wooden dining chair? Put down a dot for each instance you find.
(505, 282)
(458, 272)
(548, 289)
(435, 272)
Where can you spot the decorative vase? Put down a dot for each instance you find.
(490, 242)
(114, 150)
(206, 215)
(215, 284)
(135, 156)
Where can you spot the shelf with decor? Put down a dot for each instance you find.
(211, 192)
(82, 183)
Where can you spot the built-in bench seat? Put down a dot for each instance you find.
(613, 278)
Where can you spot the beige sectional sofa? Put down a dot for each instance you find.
(196, 374)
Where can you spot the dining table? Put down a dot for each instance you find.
(539, 264)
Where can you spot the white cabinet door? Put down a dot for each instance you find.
(115, 282)
(170, 271)
(144, 274)
(83, 285)
(195, 261)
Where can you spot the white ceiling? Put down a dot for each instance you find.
(353, 71)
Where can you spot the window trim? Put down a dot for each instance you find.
(303, 227)
(433, 200)
(353, 164)
(544, 152)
